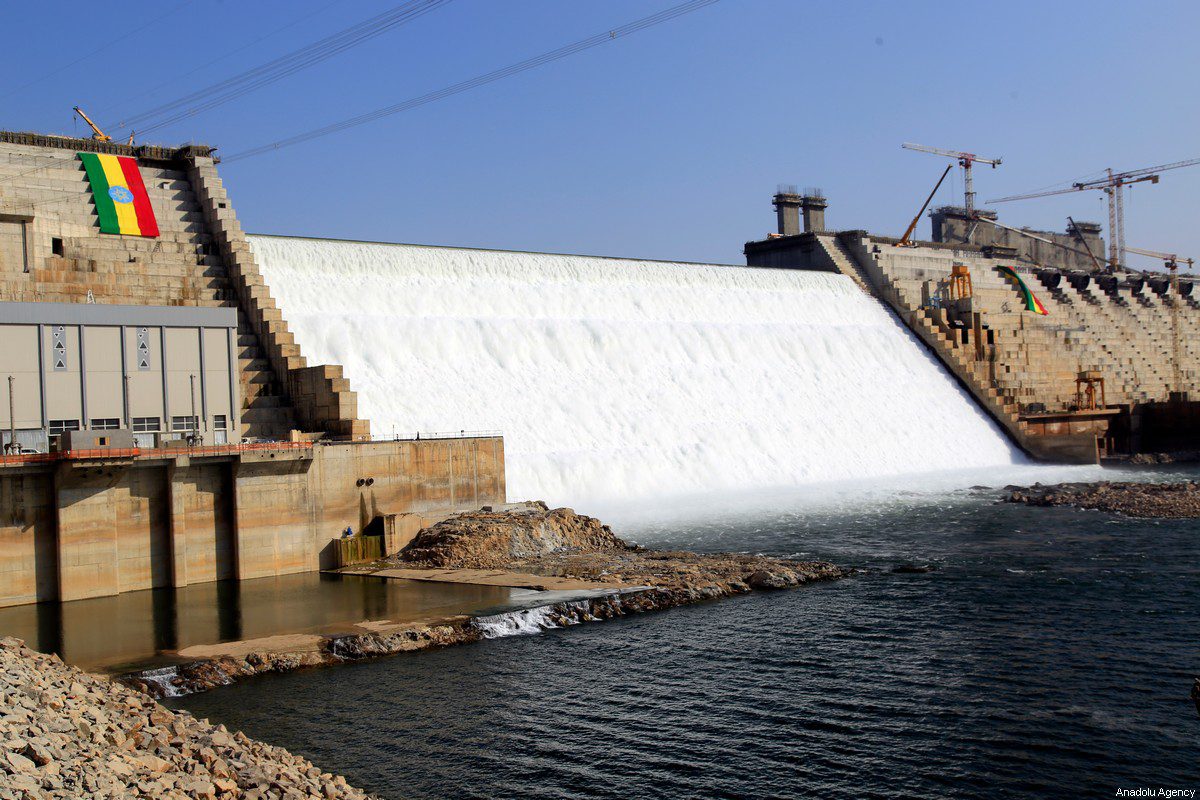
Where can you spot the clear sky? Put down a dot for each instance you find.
(666, 144)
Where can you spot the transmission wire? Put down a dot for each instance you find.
(243, 83)
(481, 80)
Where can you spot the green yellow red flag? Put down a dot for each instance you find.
(121, 200)
(1031, 301)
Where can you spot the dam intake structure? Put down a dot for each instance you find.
(620, 379)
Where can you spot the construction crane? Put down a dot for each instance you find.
(965, 160)
(97, 134)
(1171, 260)
(1113, 185)
(912, 226)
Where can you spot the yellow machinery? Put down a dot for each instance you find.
(97, 134)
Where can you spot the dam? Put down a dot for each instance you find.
(188, 403)
(623, 379)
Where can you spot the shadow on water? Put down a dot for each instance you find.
(146, 627)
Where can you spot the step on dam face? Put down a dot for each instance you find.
(614, 380)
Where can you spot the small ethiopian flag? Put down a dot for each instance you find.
(1031, 301)
(121, 200)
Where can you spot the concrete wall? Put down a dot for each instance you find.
(1069, 249)
(73, 530)
(28, 554)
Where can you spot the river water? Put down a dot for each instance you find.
(1050, 653)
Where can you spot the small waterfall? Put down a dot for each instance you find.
(161, 678)
(616, 380)
(535, 620)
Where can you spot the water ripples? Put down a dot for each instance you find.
(989, 677)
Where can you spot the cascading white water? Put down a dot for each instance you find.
(615, 379)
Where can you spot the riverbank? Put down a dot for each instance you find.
(1145, 500)
(586, 571)
(70, 734)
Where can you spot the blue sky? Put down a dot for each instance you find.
(666, 144)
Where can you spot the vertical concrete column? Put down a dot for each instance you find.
(814, 213)
(87, 534)
(787, 212)
(177, 515)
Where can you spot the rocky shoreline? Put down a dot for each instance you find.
(532, 541)
(1144, 500)
(69, 734)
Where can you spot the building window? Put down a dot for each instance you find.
(106, 424)
(220, 429)
(57, 426)
(183, 424)
(56, 246)
(102, 441)
(146, 424)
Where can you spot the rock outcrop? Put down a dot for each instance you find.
(494, 539)
(68, 734)
(1162, 500)
(561, 543)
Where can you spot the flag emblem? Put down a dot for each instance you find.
(122, 205)
(1030, 299)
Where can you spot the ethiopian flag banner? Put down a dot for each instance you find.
(121, 200)
(1031, 301)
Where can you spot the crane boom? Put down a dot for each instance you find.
(1112, 184)
(937, 151)
(965, 160)
(97, 134)
(1170, 258)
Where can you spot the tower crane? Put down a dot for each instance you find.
(1113, 185)
(1171, 260)
(965, 160)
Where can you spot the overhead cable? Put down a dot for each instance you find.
(481, 80)
(277, 69)
(201, 67)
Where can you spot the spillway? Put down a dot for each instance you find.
(616, 380)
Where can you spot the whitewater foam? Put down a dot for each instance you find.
(617, 379)
(529, 621)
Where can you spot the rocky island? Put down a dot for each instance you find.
(530, 547)
(1159, 500)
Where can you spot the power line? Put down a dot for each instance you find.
(233, 52)
(481, 80)
(243, 83)
(97, 51)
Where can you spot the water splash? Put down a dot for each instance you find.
(616, 379)
(535, 620)
(161, 678)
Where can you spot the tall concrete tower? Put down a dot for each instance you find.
(788, 205)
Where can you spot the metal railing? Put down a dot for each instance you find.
(419, 436)
(201, 451)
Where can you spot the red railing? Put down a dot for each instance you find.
(200, 451)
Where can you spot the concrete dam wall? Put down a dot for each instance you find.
(616, 379)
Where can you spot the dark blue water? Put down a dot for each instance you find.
(1050, 654)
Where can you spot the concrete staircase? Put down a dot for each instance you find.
(964, 356)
